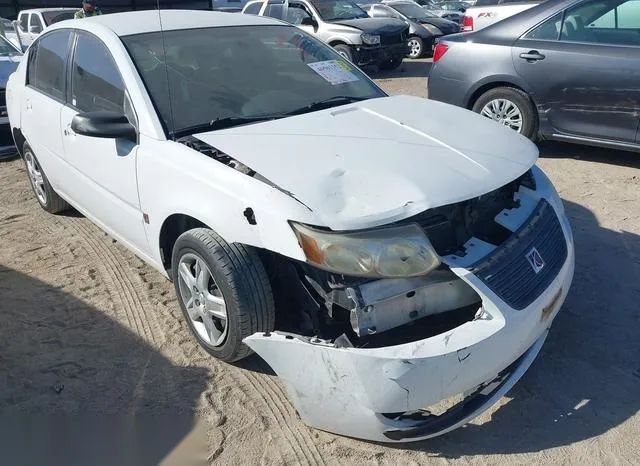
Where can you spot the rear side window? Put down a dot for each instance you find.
(31, 65)
(36, 24)
(253, 9)
(50, 63)
(549, 30)
(96, 83)
(24, 19)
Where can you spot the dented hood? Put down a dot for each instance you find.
(381, 160)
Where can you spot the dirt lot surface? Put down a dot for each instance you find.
(86, 327)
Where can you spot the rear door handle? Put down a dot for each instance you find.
(532, 56)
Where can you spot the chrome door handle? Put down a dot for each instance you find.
(532, 56)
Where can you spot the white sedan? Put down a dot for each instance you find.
(399, 274)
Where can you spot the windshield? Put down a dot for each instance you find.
(338, 10)
(211, 74)
(52, 17)
(411, 10)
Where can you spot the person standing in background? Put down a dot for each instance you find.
(88, 9)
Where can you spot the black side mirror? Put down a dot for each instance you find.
(309, 21)
(110, 125)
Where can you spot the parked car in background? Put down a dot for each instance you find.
(10, 57)
(398, 277)
(33, 22)
(346, 27)
(562, 70)
(424, 28)
(486, 12)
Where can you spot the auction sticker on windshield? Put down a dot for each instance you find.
(333, 71)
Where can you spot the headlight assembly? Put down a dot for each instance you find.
(432, 29)
(370, 39)
(402, 251)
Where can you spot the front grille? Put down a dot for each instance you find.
(508, 272)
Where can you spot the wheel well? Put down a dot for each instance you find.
(487, 87)
(172, 228)
(333, 43)
(19, 140)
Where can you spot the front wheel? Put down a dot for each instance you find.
(510, 107)
(344, 51)
(223, 290)
(390, 65)
(416, 47)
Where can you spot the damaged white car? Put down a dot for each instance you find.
(398, 275)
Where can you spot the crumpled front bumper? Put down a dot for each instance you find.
(387, 394)
(374, 55)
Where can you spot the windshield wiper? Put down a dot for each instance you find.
(328, 103)
(221, 123)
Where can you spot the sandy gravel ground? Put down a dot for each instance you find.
(86, 327)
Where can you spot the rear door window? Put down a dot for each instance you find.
(50, 63)
(253, 9)
(36, 24)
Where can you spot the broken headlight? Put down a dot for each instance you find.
(402, 251)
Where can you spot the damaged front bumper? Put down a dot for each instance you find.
(425, 388)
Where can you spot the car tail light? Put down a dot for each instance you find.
(439, 51)
(467, 23)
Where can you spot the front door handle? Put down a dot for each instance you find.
(532, 56)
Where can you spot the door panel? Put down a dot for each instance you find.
(585, 74)
(107, 187)
(584, 89)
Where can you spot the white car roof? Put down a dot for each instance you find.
(140, 22)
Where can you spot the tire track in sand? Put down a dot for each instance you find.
(285, 416)
(133, 306)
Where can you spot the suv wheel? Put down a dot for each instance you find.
(510, 107)
(344, 51)
(223, 290)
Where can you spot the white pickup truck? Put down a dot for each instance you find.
(486, 12)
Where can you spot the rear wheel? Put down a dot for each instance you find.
(510, 107)
(46, 196)
(416, 47)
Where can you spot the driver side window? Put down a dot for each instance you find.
(296, 13)
(96, 83)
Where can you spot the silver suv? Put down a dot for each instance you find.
(343, 25)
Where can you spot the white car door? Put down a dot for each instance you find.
(42, 102)
(106, 189)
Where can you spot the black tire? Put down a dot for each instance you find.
(47, 198)
(419, 44)
(240, 276)
(391, 65)
(520, 99)
(344, 50)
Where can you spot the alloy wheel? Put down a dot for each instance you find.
(36, 178)
(202, 299)
(415, 48)
(505, 112)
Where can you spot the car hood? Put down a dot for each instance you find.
(374, 25)
(381, 160)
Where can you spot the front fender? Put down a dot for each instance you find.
(174, 179)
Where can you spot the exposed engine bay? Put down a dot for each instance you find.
(365, 312)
